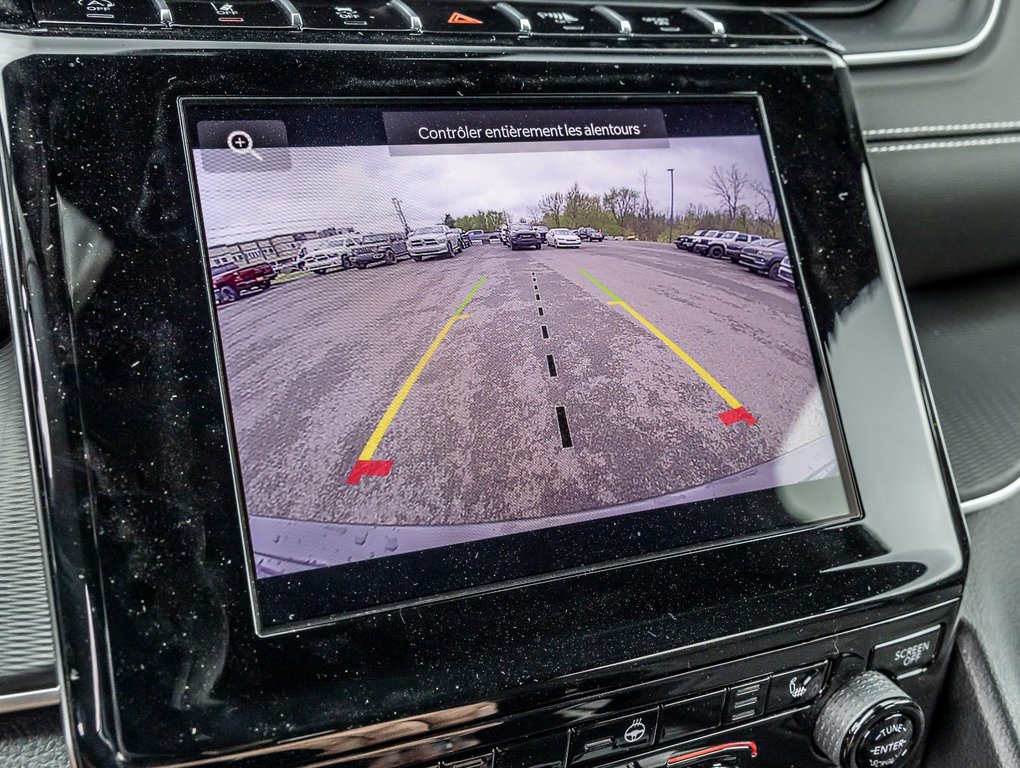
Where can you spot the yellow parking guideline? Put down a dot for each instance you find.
(705, 375)
(384, 423)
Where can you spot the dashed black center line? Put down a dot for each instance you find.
(561, 420)
(560, 411)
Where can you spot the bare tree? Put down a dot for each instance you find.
(646, 203)
(552, 206)
(765, 202)
(728, 186)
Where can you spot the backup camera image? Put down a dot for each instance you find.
(449, 326)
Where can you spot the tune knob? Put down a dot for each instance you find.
(869, 723)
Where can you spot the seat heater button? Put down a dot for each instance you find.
(800, 686)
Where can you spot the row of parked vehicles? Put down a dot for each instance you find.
(519, 236)
(767, 256)
(343, 251)
(357, 251)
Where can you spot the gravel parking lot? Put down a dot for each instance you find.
(315, 364)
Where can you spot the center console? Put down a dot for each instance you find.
(385, 417)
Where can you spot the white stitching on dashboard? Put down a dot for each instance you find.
(953, 144)
(1002, 125)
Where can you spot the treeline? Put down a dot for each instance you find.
(625, 211)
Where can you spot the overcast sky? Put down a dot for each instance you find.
(354, 186)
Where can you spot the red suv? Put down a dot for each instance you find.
(231, 280)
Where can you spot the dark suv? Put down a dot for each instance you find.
(524, 237)
(765, 260)
(230, 281)
(591, 234)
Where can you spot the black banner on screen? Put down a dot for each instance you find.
(448, 130)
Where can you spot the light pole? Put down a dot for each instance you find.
(670, 204)
(400, 214)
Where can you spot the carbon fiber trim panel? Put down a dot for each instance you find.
(26, 640)
(970, 340)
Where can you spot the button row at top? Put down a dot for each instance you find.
(446, 16)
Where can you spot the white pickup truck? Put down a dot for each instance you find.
(327, 253)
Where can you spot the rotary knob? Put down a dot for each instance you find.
(869, 723)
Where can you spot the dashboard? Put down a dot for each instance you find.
(483, 385)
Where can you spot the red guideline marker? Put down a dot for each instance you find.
(372, 468)
(732, 416)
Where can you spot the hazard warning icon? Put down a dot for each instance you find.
(459, 18)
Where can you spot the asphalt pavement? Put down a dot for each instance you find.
(503, 385)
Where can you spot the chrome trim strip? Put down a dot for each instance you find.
(921, 131)
(292, 13)
(877, 58)
(623, 24)
(166, 16)
(991, 499)
(412, 18)
(18, 702)
(878, 149)
(715, 26)
(810, 31)
(509, 11)
(20, 44)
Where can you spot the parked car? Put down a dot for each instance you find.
(592, 234)
(435, 240)
(478, 236)
(231, 281)
(686, 242)
(327, 253)
(378, 248)
(462, 238)
(285, 266)
(785, 273)
(718, 246)
(735, 245)
(764, 260)
(543, 231)
(737, 248)
(559, 237)
(524, 236)
(698, 242)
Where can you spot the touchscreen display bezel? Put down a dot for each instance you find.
(310, 598)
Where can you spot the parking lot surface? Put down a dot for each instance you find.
(503, 385)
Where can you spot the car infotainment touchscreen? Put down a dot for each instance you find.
(472, 346)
